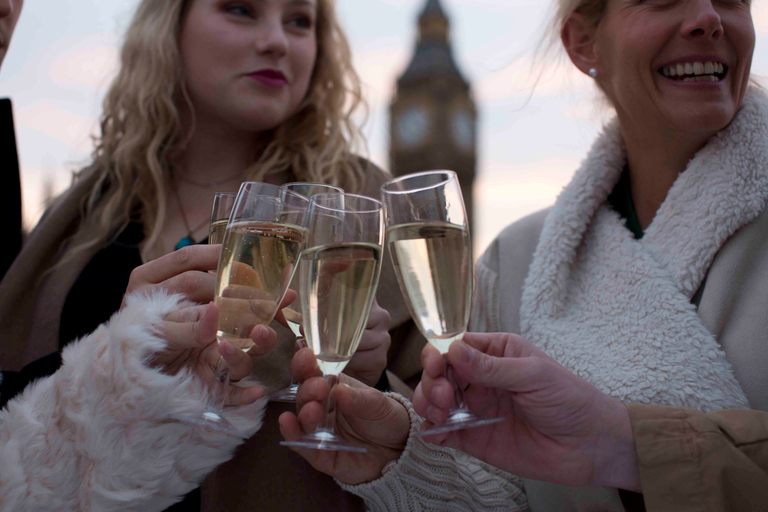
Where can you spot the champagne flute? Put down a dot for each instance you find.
(262, 243)
(339, 272)
(223, 202)
(428, 239)
(212, 416)
(292, 312)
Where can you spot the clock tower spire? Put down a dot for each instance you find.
(433, 117)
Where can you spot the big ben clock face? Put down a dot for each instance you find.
(412, 126)
(463, 130)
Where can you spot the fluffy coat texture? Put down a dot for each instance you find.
(618, 311)
(97, 435)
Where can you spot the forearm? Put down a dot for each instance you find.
(427, 477)
(97, 434)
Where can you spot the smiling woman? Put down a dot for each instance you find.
(648, 277)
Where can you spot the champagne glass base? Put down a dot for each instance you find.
(324, 439)
(211, 419)
(287, 395)
(460, 419)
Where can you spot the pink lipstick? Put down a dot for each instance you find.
(269, 77)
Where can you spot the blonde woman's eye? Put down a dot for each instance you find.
(302, 21)
(239, 9)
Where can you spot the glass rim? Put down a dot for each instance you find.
(449, 176)
(225, 194)
(313, 202)
(277, 188)
(337, 190)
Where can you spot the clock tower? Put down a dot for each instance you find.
(433, 118)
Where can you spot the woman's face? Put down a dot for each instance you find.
(248, 63)
(675, 65)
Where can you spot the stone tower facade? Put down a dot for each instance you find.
(433, 117)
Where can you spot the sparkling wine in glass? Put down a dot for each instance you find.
(292, 312)
(428, 239)
(262, 243)
(339, 273)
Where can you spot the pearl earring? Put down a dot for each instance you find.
(593, 72)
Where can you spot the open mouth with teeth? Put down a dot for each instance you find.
(695, 71)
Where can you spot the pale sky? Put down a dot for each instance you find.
(64, 53)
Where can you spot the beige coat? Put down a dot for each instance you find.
(694, 462)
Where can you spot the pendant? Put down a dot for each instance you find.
(184, 242)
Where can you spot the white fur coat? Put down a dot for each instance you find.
(618, 310)
(97, 435)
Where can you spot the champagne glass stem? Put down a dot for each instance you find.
(330, 406)
(458, 392)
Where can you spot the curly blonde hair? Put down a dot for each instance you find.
(142, 133)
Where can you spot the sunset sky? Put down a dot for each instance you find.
(64, 54)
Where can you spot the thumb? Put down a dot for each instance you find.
(478, 368)
(366, 404)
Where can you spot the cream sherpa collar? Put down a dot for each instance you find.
(617, 310)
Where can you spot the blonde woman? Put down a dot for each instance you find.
(648, 277)
(210, 93)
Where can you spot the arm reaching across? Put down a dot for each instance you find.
(97, 435)
(561, 429)
(400, 472)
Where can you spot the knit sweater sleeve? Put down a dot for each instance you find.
(428, 477)
(98, 434)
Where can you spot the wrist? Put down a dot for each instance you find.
(616, 462)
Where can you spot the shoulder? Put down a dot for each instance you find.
(69, 203)
(370, 177)
(516, 242)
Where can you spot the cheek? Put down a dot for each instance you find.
(304, 62)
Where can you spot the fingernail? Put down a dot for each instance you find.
(433, 414)
(228, 348)
(467, 354)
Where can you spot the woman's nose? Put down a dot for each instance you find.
(702, 20)
(271, 38)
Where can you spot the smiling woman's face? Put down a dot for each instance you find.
(248, 63)
(675, 64)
